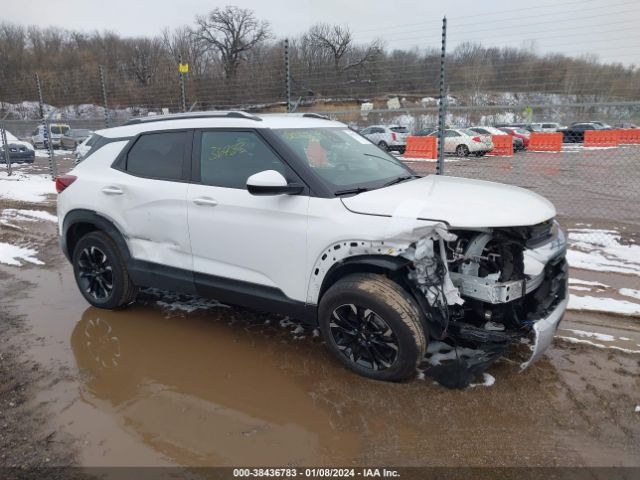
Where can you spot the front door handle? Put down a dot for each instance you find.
(205, 201)
(112, 190)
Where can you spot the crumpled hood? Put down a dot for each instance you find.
(460, 202)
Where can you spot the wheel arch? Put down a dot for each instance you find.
(388, 265)
(79, 222)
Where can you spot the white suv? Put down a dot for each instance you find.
(389, 138)
(299, 215)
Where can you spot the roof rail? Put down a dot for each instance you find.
(183, 116)
(316, 115)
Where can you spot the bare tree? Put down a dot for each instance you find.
(335, 43)
(231, 32)
(144, 58)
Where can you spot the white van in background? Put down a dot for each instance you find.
(56, 131)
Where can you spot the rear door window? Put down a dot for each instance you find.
(158, 155)
(399, 129)
(228, 158)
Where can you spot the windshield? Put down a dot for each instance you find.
(59, 129)
(342, 157)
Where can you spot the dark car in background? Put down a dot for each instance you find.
(74, 137)
(19, 151)
(575, 132)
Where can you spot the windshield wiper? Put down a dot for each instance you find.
(400, 179)
(355, 190)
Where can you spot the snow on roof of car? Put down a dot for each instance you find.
(220, 119)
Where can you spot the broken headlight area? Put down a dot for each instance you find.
(488, 291)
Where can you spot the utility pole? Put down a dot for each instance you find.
(53, 169)
(183, 97)
(287, 74)
(442, 107)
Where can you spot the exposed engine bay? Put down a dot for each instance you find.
(487, 289)
(484, 289)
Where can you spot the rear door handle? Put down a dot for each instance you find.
(205, 201)
(112, 190)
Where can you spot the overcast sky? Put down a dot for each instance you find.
(607, 28)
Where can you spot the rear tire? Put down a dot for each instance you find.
(101, 273)
(373, 327)
(462, 151)
(383, 146)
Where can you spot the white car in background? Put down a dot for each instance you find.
(487, 130)
(462, 142)
(387, 137)
(548, 127)
(518, 143)
(56, 132)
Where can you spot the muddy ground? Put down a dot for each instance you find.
(176, 380)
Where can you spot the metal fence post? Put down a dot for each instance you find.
(442, 107)
(287, 72)
(104, 96)
(183, 97)
(52, 163)
(5, 144)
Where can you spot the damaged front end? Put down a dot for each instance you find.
(489, 290)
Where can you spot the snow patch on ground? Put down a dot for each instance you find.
(489, 380)
(603, 337)
(15, 255)
(580, 289)
(602, 251)
(437, 352)
(630, 292)
(175, 302)
(13, 214)
(597, 345)
(601, 304)
(26, 188)
(577, 281)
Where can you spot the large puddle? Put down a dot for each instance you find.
(166, 382)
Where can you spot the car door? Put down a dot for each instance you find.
(451, 141)
(146, 196)
(243, 242)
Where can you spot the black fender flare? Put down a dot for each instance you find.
(362, 263)
(100, 222)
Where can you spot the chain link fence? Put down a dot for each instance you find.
(595, 188)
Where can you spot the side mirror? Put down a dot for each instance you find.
(270, 182)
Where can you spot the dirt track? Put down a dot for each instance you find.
(176, 380)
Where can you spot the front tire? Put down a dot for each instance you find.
(383, 146)
(373, 327)
(100, 272)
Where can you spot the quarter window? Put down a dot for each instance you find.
(158, 155)
(228, 159)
